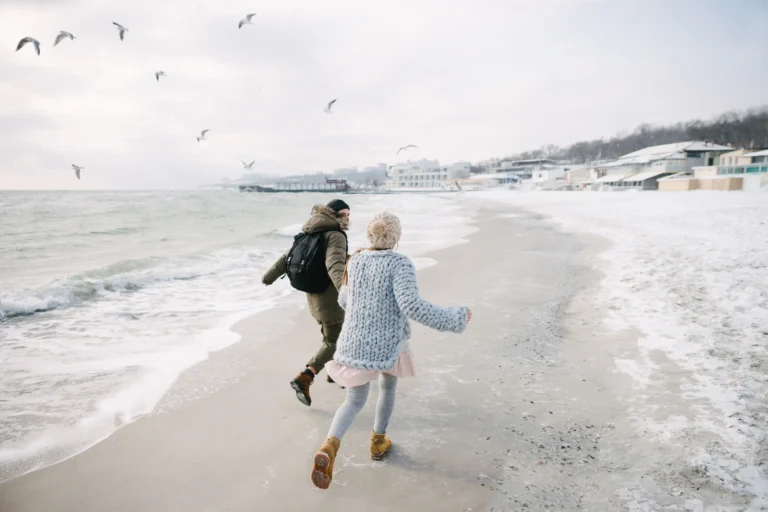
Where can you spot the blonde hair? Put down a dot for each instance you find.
(345, 276)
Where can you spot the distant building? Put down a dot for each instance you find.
(686, 183)
(542, 175)
(458, 170)
(578, 174)
(643, 168)
(524, 169)
(546, 178)
(737, 157)
(424, 174)
(757, 157)
(741, 169)
(483, 181)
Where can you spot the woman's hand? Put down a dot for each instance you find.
(469, 315)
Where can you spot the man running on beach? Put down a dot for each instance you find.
(332, 220)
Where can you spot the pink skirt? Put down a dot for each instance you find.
(349, 376)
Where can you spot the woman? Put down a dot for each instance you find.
(379, 295)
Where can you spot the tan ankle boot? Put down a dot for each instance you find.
(322, 472)
(380, 446)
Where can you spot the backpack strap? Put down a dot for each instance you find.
(346, 238)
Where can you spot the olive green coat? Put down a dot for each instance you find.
(323, 306)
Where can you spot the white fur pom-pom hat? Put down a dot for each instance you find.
(383, 231)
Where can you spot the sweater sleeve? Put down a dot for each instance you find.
(336, 257)
(343, 297)
(414, 307)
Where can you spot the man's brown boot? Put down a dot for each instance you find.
(301, 386)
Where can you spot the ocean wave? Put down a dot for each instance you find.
(121, 277)
(115, 231)
(287, 231)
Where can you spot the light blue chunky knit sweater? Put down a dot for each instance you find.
(380, 297)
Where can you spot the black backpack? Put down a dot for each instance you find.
(306, 262)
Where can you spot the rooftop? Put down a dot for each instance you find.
(758, 153)
(516, 163)
(676, 150)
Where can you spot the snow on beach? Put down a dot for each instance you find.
(689, 271)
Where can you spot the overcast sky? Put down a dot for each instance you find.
(464, 80)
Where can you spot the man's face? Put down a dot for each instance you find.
(345, 215)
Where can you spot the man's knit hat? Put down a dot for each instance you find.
(337, 205)
(383, 231)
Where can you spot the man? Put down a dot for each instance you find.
(331, 221)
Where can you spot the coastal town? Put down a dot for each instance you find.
(682, 166)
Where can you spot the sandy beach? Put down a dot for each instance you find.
(522, 412)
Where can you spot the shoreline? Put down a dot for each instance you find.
(440, 407)
(529, 408)
(156, 390)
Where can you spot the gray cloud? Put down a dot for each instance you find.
(462, 80)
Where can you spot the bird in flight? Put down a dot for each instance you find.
(62, 36)
(77, 169)
(32, 40)
(248, 166)
(121, 29)
(330, 104)
(246, 21)
(405, 148)
(202, 135)
(158, 74)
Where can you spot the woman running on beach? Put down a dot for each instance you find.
(379, 295)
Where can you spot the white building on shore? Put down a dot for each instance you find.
(643, 168)
(422, 174)
(524, 169)
(458, 170)
(579, 174)
(757, 157)
(425, 175)
(742, 169)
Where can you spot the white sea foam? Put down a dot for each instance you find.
(429, 222)
(290, 231)
(422, 263)
(136, 397)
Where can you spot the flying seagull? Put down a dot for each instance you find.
(77, 169)
(120, 29)
(158, 74)
(246, 20)
(330, 104)
(32, 40)
(62, 36)
(202, 135)
(405, 148)
(248, 166)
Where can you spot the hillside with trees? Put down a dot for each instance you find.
(740, 129)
